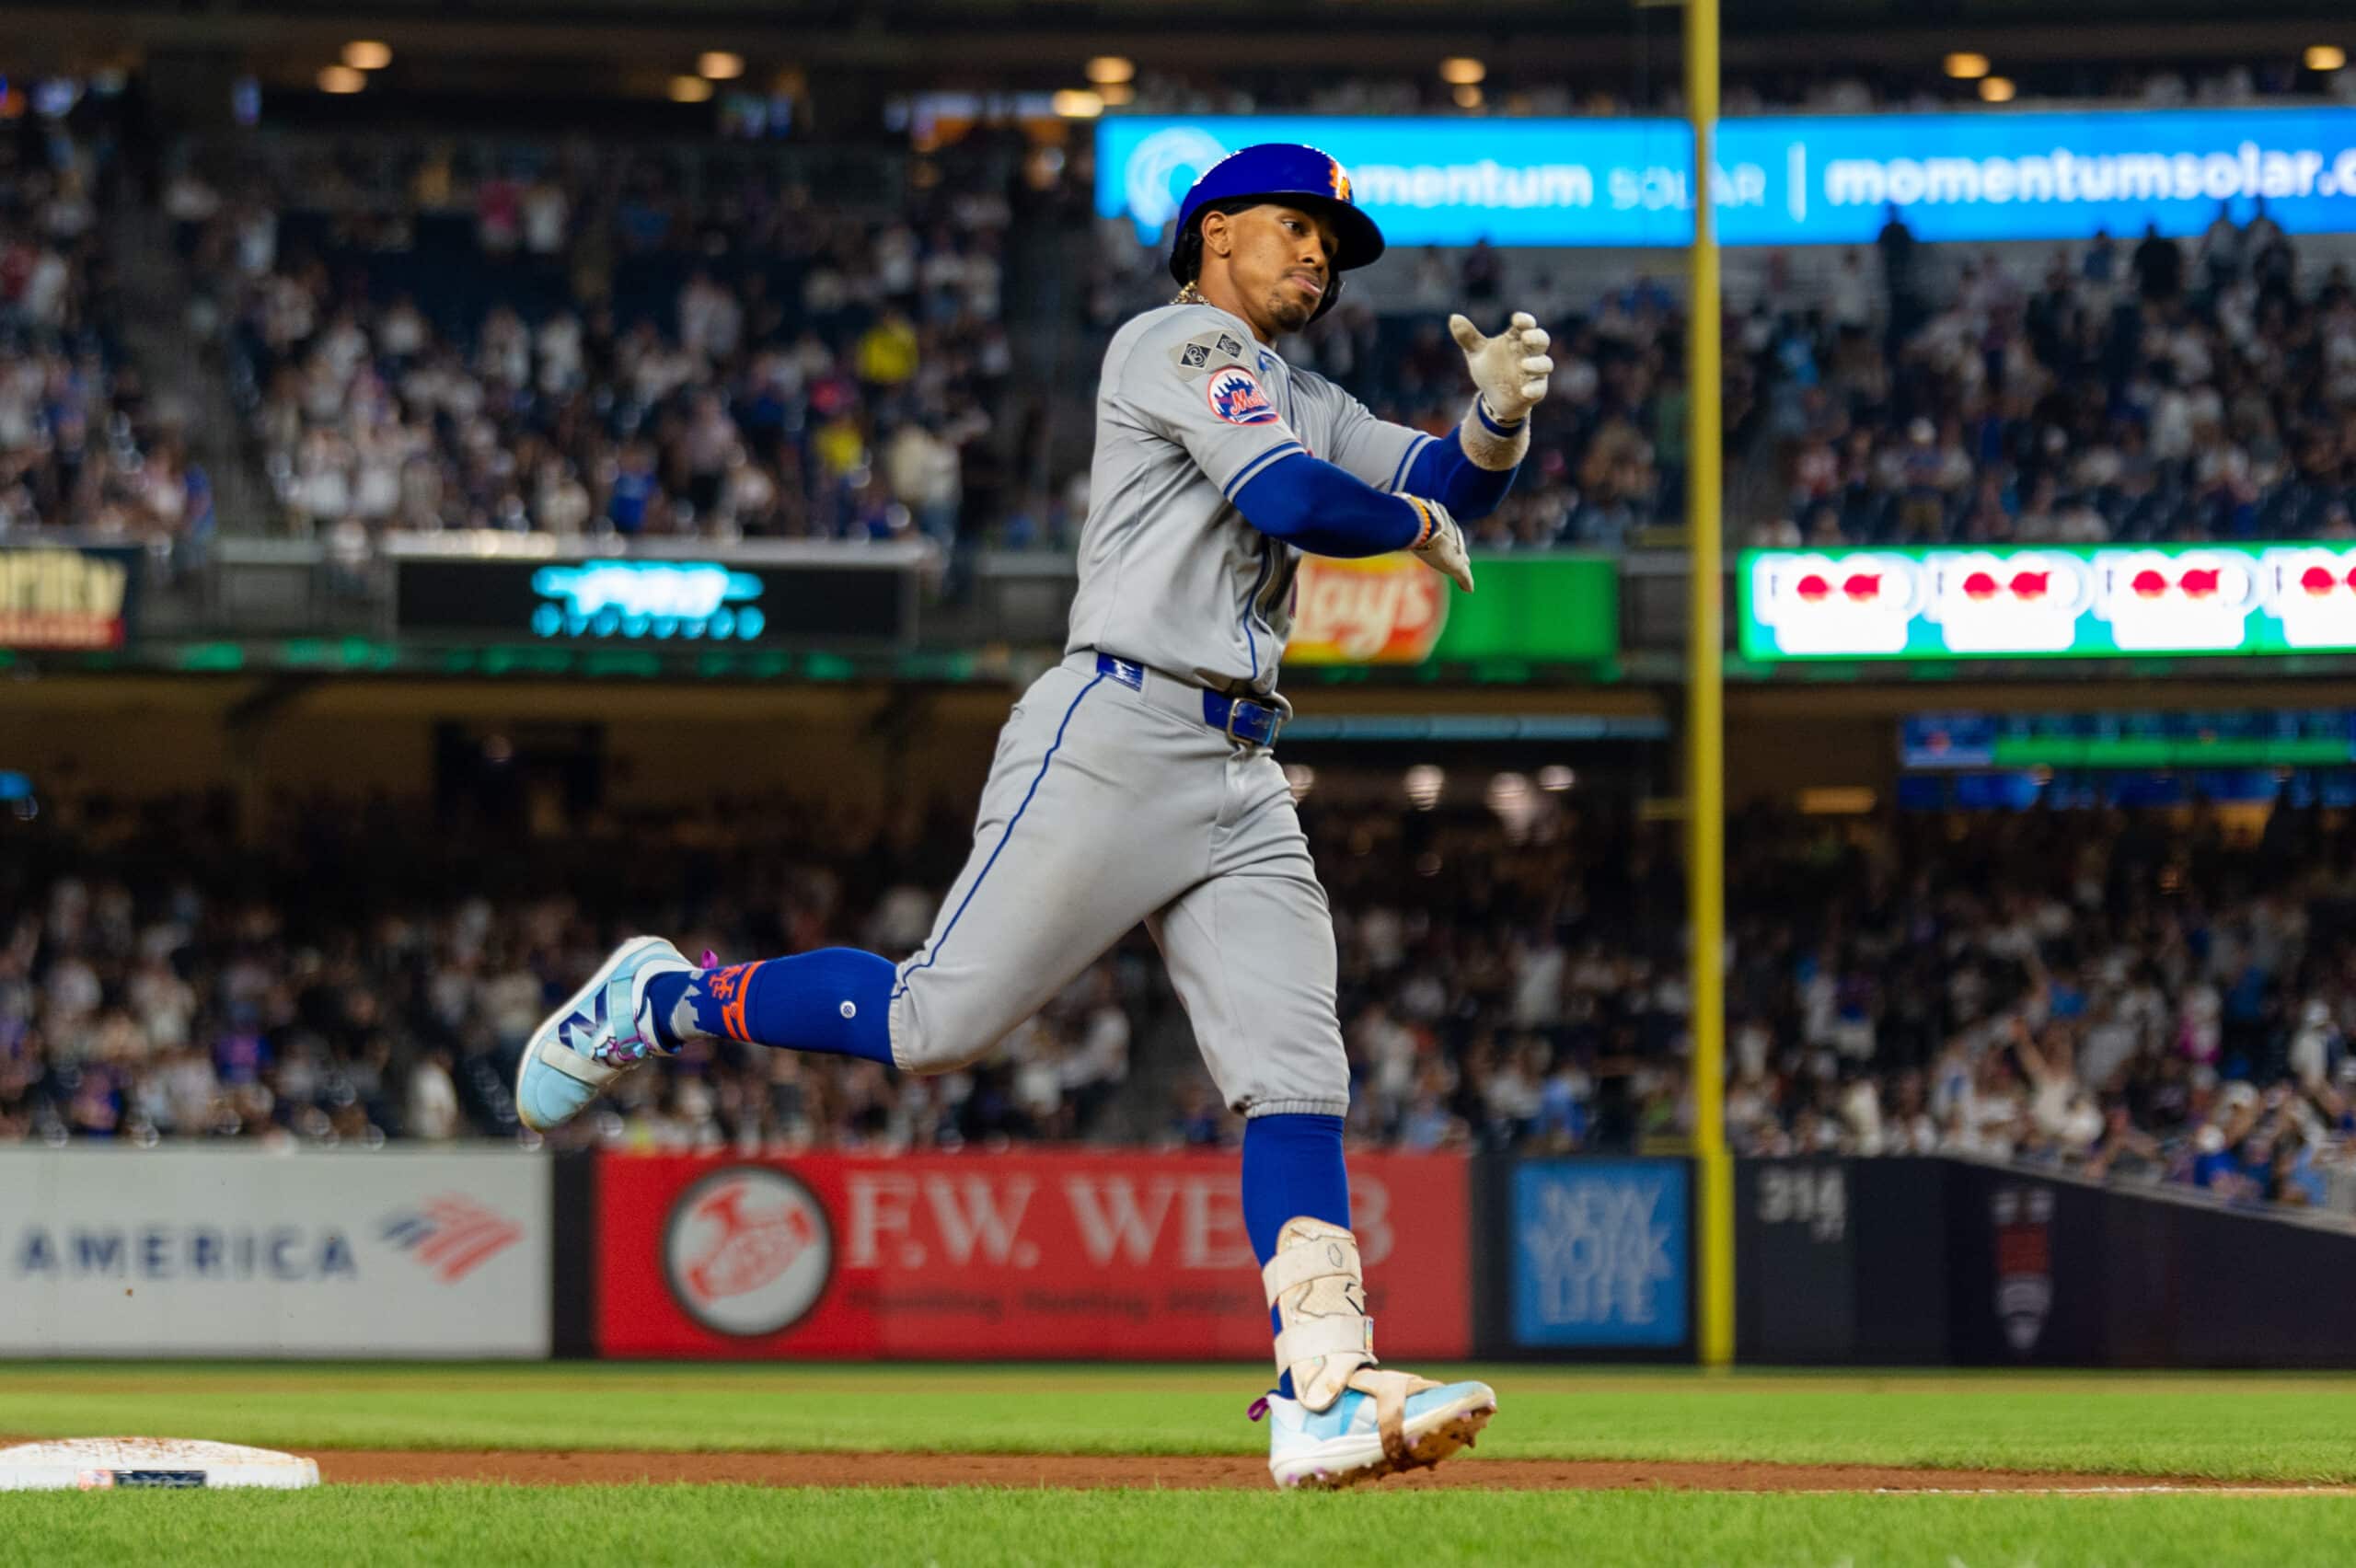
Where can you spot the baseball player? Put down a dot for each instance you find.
(1135, 780)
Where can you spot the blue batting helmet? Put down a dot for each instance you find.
(1278, 171)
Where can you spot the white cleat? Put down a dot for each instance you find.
(1364, 1435)
(595, 1038)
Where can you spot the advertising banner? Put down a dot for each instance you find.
(67, 596)
(1779, 180)
(1600, 1253)
(1795, 1261)
(656, 604)
(2046, 601)
(1051, 1255)
(1395, 610)
(2029, 1279)
(203, 1251)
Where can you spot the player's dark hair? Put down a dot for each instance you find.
(1190, 244)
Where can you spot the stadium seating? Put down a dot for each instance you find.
(2044, 987)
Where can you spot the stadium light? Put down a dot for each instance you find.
(1111, 69)
(341, 79)
(1075, 103)
(1117, 94)
(1997, 89)
(690, 89)
(367, 54)
(719, 65)
(1462, 71)
(1967, 67)
(2324, 57)
(1468, 97)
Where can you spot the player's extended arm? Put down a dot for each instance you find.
(1315, 506)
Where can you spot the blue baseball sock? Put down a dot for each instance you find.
(1292, 1166)
(836, 1001)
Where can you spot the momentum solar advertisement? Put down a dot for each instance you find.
(1781, 180)
(2048, 601)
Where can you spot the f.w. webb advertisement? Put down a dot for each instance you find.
(1048, 1254)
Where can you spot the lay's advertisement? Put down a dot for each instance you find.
(2048, 601)
(1394, 610)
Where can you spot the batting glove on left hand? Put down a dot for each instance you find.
(1510, 369)
(1441, 544)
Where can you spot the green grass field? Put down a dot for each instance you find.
(2266, 1430)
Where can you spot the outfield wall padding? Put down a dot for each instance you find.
(1946, 1261)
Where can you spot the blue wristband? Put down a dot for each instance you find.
(1489, 421)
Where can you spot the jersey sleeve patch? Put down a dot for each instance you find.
(1204, 351)
(1236, 396)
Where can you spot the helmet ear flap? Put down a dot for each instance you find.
(1332, 297)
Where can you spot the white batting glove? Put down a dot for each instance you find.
(1510, 369)
(1441, 544)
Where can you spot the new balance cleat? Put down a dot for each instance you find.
(1384, 1424)
(602, 1033)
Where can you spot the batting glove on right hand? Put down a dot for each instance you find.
(1511, 369)
(1441, 544)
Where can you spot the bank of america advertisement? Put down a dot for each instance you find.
(1796, 179)
(2051, 601)
(231, 1252)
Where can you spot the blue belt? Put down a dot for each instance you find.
(1237, 718)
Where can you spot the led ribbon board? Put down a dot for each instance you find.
(835, 597)
(2047, 602)
(641, 599)
(1797, 180)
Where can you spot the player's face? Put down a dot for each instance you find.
(1281, 264)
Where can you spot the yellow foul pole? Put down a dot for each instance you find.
(1705, 718)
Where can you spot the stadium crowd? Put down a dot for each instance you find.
(572, 340)
(2115, 992)
(79, 445)
(2137, 389)
(580, 338)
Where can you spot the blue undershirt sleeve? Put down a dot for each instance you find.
(1312, 506)
(1444, 472)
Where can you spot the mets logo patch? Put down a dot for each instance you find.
(1237, 397)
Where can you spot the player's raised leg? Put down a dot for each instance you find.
(1251, 952)
(1078, 835)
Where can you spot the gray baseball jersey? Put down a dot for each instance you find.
(1111, 802)
(1190, 408)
